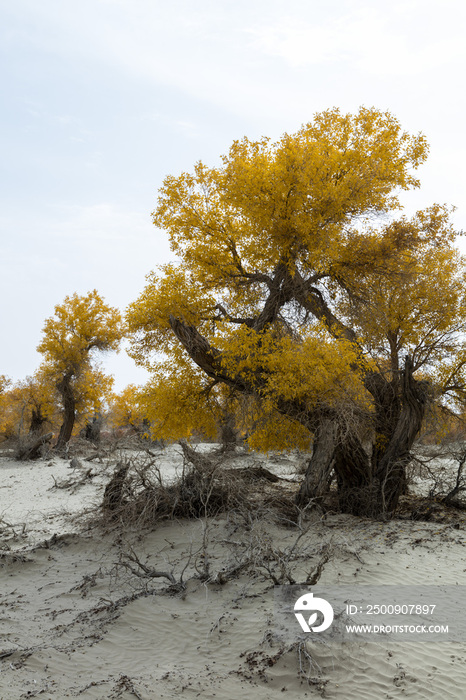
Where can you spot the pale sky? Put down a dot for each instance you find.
(102, 99)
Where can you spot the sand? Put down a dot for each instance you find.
(76, 622)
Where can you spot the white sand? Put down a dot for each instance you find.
(64, 637)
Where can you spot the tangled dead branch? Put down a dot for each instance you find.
(137, 494)
(32, 446)
(132, 563)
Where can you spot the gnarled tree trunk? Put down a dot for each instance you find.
(317, 478)
(69, 411)
(399, 407)
(92, 429)
(37, 421)
(370, 484)
(354, 476)
(228, 432)
(389, 473)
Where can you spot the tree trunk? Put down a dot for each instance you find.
(37, 421)
(370, 485)
(340, 451)
(390, 471)
(353, 470)
(317, 478)
(92, 429)
(228, 432)
(387, 409)
(373, 487)
(69, 411)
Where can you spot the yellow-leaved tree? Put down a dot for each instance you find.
(82, 327)
(4, 410)
(296, 288)
(28, 406)
(126, 410)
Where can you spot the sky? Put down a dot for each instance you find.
(102, 99)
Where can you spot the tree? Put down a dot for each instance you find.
(81, 327)
(4, 383)
(34, 403)
(295, 287)
(93, 392)
(26, 406)
(4, 406)
(126, 410)
(177, 404)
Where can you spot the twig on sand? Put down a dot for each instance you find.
(142, 570)
(125, 683)
(73, 483)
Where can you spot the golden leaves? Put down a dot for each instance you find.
(81, 325)
(289, 199)
(177, 402)
(280, 264)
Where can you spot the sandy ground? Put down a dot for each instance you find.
(77, 622)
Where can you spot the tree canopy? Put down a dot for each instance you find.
(297, 288)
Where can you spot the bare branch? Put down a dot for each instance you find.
(141, 570)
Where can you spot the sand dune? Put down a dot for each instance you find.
(77, 623)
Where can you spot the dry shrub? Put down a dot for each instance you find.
(32, 446)
(137, 494)
(287, 512)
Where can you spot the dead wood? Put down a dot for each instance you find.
(31, 447)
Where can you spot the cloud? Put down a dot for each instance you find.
(300, 44)
(261, 59)
(389, 40)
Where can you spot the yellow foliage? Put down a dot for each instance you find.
(315, 369)
(177, 404)
(417, 305)
(287, 291)
(172, 291)
(125, 409)
(289, 200)
(27, 405)
(93, 390)
(266, 429)
(4, 383)
(82, 327)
